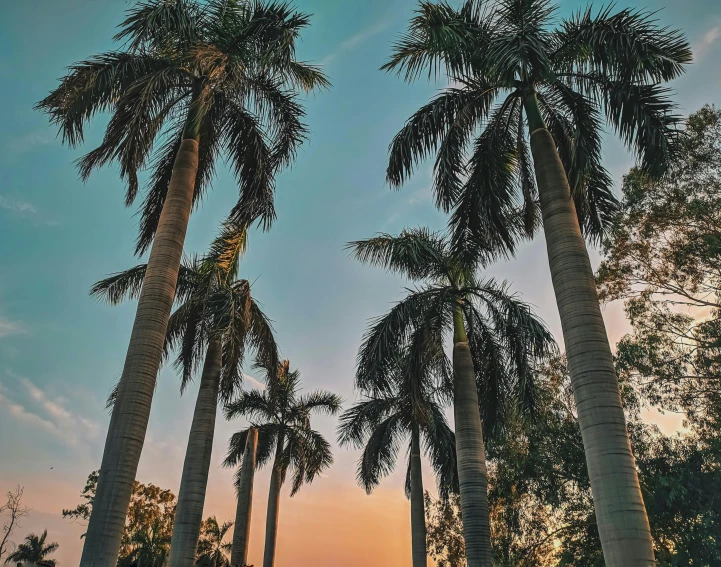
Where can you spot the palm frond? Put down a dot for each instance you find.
(357, 422)
(380, 453)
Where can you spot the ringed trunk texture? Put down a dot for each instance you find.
(131, 411)
(418, 514)
(620, 511)
(271, 520)
(191, 497)
(241, 532)
(472, 473)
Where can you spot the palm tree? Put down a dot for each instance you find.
(410, 410)
(245, 479)
(496, 340)
(201, 79)
(33, 550)
(149, 546)
(282, 417)
(217, 320)
(517, 79)
(212, 549)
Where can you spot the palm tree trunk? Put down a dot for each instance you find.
(418, 514)
(241, 532)
(191, 497)
(131, 411)
(620, 511)
(271, 520)
(472, 473)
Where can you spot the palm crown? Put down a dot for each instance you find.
(213, 304)
(213, 551)
(223, 72)
(282, 416)
(33, 549)
(505, 338)
(508, 65)
(378, 423)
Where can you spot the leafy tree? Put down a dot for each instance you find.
(496, 342)
(34, 550)
(663, 260)
(217, 320)
(445, 530)
(213, 550)
(531, 96)
(194, 80)
(410, 411)
(282, 417)
(148, 525)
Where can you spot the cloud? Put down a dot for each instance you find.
(421, 196)
(254, 381)
(8, 328)
(705, 44)
(355, 41)
(48, 412)
(31, 140)
(18, 207)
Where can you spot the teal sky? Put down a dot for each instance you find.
(60, 351)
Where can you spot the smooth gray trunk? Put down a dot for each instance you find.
(620, 512)
(193, 483)
(271, 521)
(241, 533)
(418, 515)
(471, 452)
(131, 411)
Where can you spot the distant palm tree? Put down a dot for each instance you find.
(496, 343)
(409, 410)
(33, 550)
(209, 78)
(217, 320)
(528, 91)
(245, 478)
(282, 417)
(212, 549)
(148, 546)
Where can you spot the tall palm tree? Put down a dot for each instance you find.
(282, 417)
(518, 81)
(217, 320)
(409, 411)
(33, 549)
(496, 342)
(213, 550)
(244, 506)
(198, 79)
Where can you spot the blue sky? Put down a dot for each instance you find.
(60, 351)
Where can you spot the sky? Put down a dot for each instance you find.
(60, 351)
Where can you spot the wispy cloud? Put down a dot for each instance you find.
(704, 45)
(254, 381)
(423, 195)
(32, 405)
(17, 207)
(8, 327)
(355, 41)
(31, 140)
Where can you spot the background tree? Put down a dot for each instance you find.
(528, 92)
(12, 512)
(216, 322)
(148, 525)
(444, 525)
(194, 80)
(496, 342)
(213, 550)
(282, 416)
(410, 411)
(663, 261)
(34, 550)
